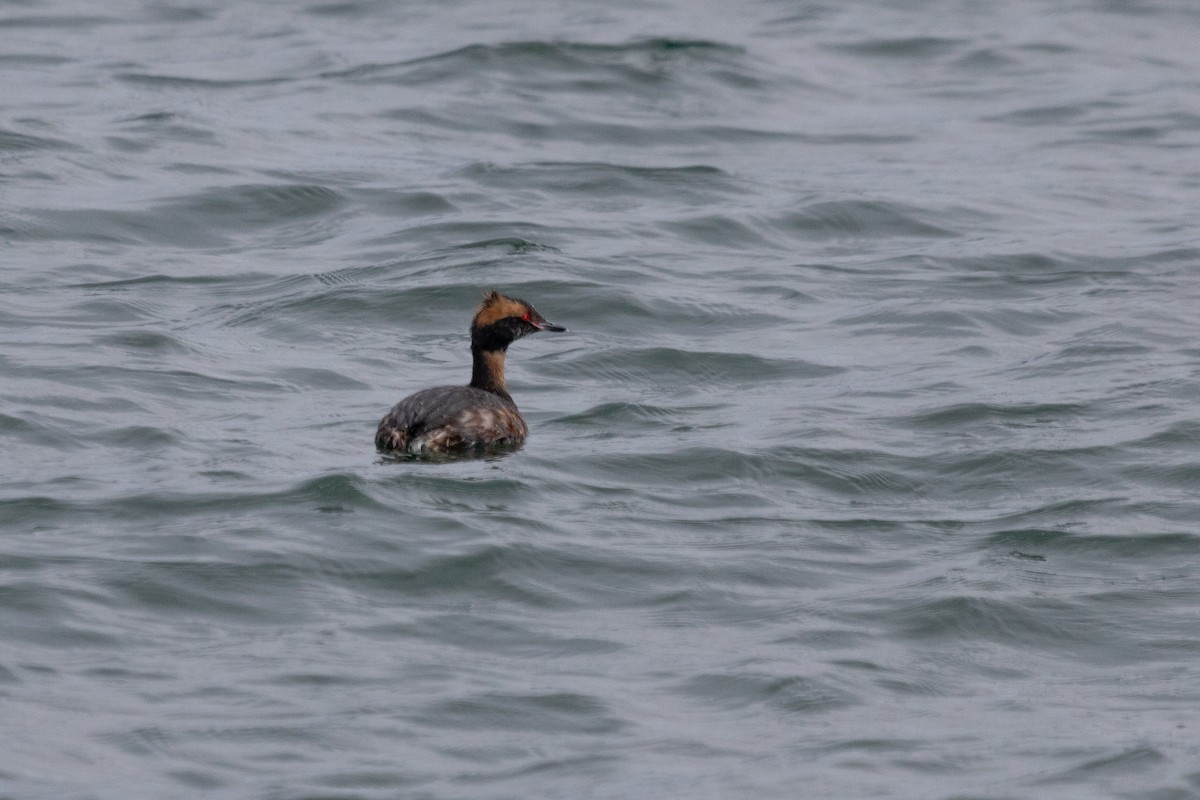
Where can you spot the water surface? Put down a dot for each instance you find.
(868, 468)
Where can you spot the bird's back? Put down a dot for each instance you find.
(450, 418)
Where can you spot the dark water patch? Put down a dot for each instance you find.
(352, 275)
(337, 783)
(151, 80)
(308, 378)
(1123, 546)
(903, 48)
(239, 593)
(51, 21)
(155, 130)
(14, 142)
(518, 573)
(906, 322)
(58, 619)
(316, 680)
(1021, 321)
(1016, 415)
(34, 429)
(598, 182)
(126, 674)
(860, 474)
(679, 370)
(448, 493)
(146, 342)
(164, 741)
(495, 635)
(986, 60)
(582, 771)
(859, 138)
(321, 296)
(1101, 344)
(741, 135)
(1046, 115)
(491, 571)
(1035, 268)
(742, 691)
(587, 128)
(563, 714)
(33, 60)
(872, 525)
(210, 218)
(1128, 133)
(509, 245)
(178, 384)
(174, 14)
(94, 404)
(1182, 120)
(1178, 435)
(576, 67)
(860, 218)
(192, 168)
(1065, 628)
(110, 310)
(406, 204)
(33, 512)
(348, 303)
(1178, 476)
(719, 230)
(171, 283)
(1134, 761)
(350, 9)
(197, 779)
(629, 417)
(339, 490)
(131, 437)
(1092, 504)
(990, 470)
(335, 490)
(499, 234)
(255, 206)
(154, 118)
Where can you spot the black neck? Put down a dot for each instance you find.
(487, 370)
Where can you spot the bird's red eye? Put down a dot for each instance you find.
(525, 316)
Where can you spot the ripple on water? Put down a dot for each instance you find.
(14, 142)
(680, 370)
(744, 691)
(861, 218)
(904, 47)
(972, 415)
(208, 219)
(565, 66)
(599, 184)
(562, 713)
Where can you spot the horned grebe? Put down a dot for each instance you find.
(482, 413)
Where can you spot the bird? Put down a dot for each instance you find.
(480, 415)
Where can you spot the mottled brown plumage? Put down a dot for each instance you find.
(481, 414)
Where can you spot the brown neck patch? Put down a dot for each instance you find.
(487, 371)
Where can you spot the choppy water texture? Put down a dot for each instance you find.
(868, 469)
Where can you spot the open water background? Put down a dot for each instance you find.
(869, 468)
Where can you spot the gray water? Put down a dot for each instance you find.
(869, 467)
